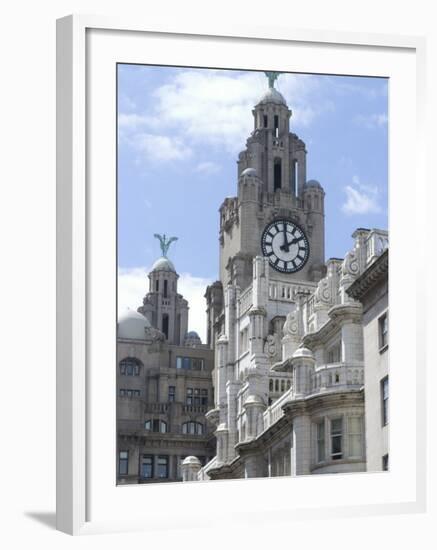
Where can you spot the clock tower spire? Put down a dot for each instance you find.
(272, 192)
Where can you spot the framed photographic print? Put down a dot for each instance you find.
(236, 225)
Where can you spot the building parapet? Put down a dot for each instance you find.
(273, 413)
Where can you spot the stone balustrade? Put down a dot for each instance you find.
(337, 375)
(273, 413)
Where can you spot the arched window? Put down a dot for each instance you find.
(129, 366)
(156, 425)
(192, 428)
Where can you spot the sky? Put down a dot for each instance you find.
(179, 134)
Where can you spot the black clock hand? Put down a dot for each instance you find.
(286, 245)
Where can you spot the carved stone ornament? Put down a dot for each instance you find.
(351, 264)
(323, 292)
(291, 325)
(271, 346)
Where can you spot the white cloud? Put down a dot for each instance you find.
(130, 120)
(160, 148)
(133, 285)
(207, 168)
(375, 120)
(214, 107)
(360, 198)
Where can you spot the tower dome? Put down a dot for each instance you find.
(314, 184)
(272, 96)
(249, 172)
(192, 339)
(163, 264)
(132, 325)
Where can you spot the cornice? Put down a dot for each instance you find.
(374, 274)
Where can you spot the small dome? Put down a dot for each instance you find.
(313, 183)
(191, 460)
(303, 352)
(249, 172)
(272, 96)
(254, 400)
(132, 325)
(163, 264)
(192, 339)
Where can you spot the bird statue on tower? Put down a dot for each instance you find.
(164, 243)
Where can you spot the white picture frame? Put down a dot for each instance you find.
(86, 497)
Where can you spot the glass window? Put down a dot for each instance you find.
(171, 393)
(334, 354)
(189, 399)
(123, 462)
(178, 362)
(271, 385)
(355, 436)
(385, 463)
(162, 467)
(197, 397)
(336, 438)
(384, 400)
(383, 331)
(320, 433)
(282, 386)
(204, 399)
(192, 428)
(148, 425)
(186, 364)
(130, 366)
(147, 466)
(196, 363)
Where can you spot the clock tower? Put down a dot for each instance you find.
(277, 213)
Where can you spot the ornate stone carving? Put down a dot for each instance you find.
(291, 325)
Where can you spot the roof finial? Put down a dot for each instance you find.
(164, 243)
(272, 76)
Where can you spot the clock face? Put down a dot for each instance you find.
(286, 246)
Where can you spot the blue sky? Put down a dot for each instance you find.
(180, 131)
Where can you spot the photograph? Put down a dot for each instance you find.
(252, 274)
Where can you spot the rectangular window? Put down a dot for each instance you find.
(186, 363)
(162, 467)
(204, 399)
(147, 466)
(337, 438)
(320, 433)
(383, 331)
(171, 393)
(385, 463)
(334, 354)
(265, 119)
(355, 437)
(196, 364)
(197, 397)
(189, 400)
(178, 362)
(123, 463)
(384, 401)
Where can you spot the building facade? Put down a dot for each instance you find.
(371, 289)
(290, 369)
(164, 385)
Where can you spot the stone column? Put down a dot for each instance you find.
(190, 468)
(303, 364)
(301, 449)
(250, 466)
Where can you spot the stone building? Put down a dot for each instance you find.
(371, 289)
(290, 369)
(164, 385)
